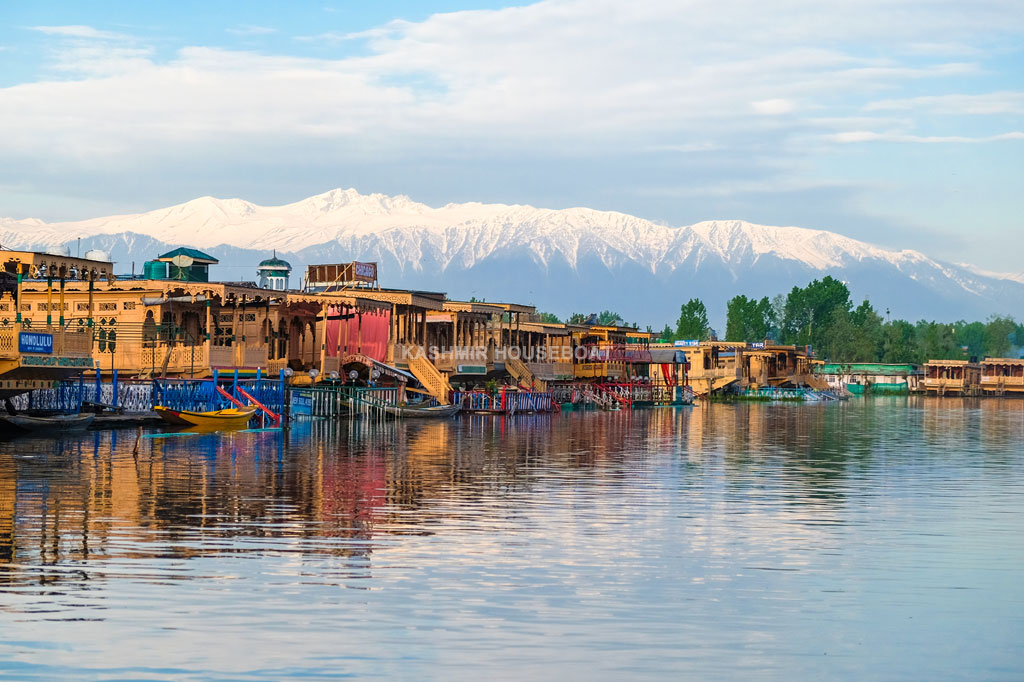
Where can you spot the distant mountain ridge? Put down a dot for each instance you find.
(575, 259)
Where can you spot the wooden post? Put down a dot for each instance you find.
(17, 313)
(49, 297)
(338, 349)
(91, 286)
(61, 298)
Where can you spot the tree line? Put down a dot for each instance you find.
(822, 315)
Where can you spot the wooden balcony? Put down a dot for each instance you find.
(589, 370)
(449, 360)
(551, 371)
(44, 352)
(996, 384)
(72, 343)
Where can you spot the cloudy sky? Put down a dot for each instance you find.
(900, 122)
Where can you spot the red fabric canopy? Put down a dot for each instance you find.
(365, 333)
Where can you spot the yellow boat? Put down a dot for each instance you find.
(231, 418)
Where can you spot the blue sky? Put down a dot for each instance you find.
(899, 122)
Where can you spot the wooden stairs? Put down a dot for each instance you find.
(431, 378)
(518, 370)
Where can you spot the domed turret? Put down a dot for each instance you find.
(273, 273)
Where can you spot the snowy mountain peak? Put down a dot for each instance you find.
(427, 246)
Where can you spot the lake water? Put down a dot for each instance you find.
(878, 539)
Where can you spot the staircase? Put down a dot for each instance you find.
(817, 383)
(518, 370)
(432, 379)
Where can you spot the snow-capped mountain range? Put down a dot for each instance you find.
(575, 259)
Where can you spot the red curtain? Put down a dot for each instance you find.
(368, 335)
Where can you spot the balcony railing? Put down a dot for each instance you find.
(1006, 381)
(66, 342)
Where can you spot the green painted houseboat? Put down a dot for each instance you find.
(864, 378)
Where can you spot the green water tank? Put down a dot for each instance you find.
(155, 269)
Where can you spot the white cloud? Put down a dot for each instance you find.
(869, 136)
(560, 77)
(567, 71)
(773, 107)
(1005, 102)
(78, 31)
(330, 37)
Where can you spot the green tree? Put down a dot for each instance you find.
(608, 317)
(898, 343)
(549, 318)
(667, 335)
(973, 335)
(809, 311)
(748, 319)
(1000, 336)
(853, 336)
(576, 318)
(937, 341)
(693, 321)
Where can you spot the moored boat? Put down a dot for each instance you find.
(435, 412)
(231, 418)
(55, 423)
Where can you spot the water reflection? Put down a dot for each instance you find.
(754, 514)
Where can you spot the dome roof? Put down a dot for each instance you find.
(275, 263)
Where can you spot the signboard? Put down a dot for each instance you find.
(757, 345)
(340, 273)
(688, 343)
(364, 272)
(35, 342)
(302, 403)
(471, 369)
(54, 361)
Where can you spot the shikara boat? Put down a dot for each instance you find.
(411, 411)
(54, 423)
(231, 418)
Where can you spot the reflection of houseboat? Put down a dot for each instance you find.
(861, 378)
(1000, 376)
(952, 377)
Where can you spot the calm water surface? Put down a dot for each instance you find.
(875, 539)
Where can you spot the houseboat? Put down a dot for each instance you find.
(867, 378)
(1002, 376)
(951, 377)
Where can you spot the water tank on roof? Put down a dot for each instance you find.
(155, 269)
(97, 254)
(59, 251)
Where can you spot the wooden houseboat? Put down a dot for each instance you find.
(36, 350)
(952, 377)
(1002, 376)
(715, 365)
(863, 378)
